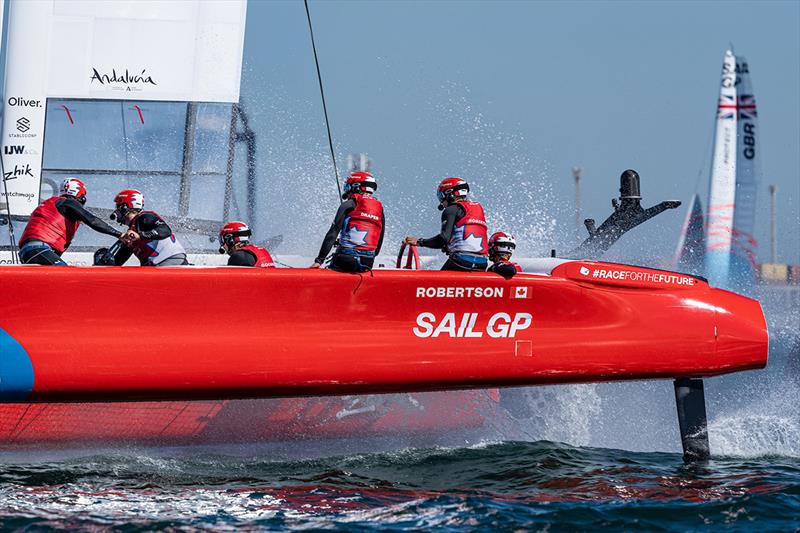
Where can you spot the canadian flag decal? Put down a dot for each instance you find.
(522, 292)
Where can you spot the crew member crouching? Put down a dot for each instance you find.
(234, 240)
(149, 238)
(359, 222)
(501, 246)
(53, 224)
(463, 236)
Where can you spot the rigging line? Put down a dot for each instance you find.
(11, 238)
(322, 94)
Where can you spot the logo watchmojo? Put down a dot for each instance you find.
(123, 81)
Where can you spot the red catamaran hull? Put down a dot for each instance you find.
(222, 333)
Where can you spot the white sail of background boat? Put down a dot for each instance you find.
(730, 245)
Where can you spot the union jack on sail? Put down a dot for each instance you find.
(747, 107)
(727, 106)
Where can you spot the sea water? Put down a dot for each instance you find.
(583, 457)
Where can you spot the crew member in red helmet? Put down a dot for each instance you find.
(501, 247)
(53, 224)
(149, 237)
(463, 236)
(360, 225)
(234, 240)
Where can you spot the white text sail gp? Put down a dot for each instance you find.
(464, 325)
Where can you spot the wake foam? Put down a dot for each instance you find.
(749, 435)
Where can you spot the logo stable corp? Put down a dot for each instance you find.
(23, 124)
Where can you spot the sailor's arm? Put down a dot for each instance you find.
(504, 268)
(152, 227)
(74, 211)
(449, 217)
(330, 237)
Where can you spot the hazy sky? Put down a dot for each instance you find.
(511, 95)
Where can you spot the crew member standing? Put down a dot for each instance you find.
(234, 240)
(463, 236)
(501, 246)
(150, 238)
(53, 224)
(359, 222)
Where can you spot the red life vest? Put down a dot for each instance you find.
(49, 226)
(470, 231)
(263, 259)
(361, 229)
(153, 252)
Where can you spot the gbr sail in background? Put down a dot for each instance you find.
(730, 245)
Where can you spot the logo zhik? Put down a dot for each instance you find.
(23, 125)
(18, 172)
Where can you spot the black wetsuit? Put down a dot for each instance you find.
(451, 214)
(150, 227)
(347, 262)
(73, 211)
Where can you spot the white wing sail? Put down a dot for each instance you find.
(172, 50)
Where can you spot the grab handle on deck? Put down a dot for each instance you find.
(413, 254)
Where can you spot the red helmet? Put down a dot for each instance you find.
(451, 188)
(501, 243)
(231, 233)
(359, 182)
(74, 187)
(125, 201)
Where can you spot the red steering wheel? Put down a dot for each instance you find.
(413, 256)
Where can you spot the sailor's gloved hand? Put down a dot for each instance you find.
(411, 240)
(129, 237)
